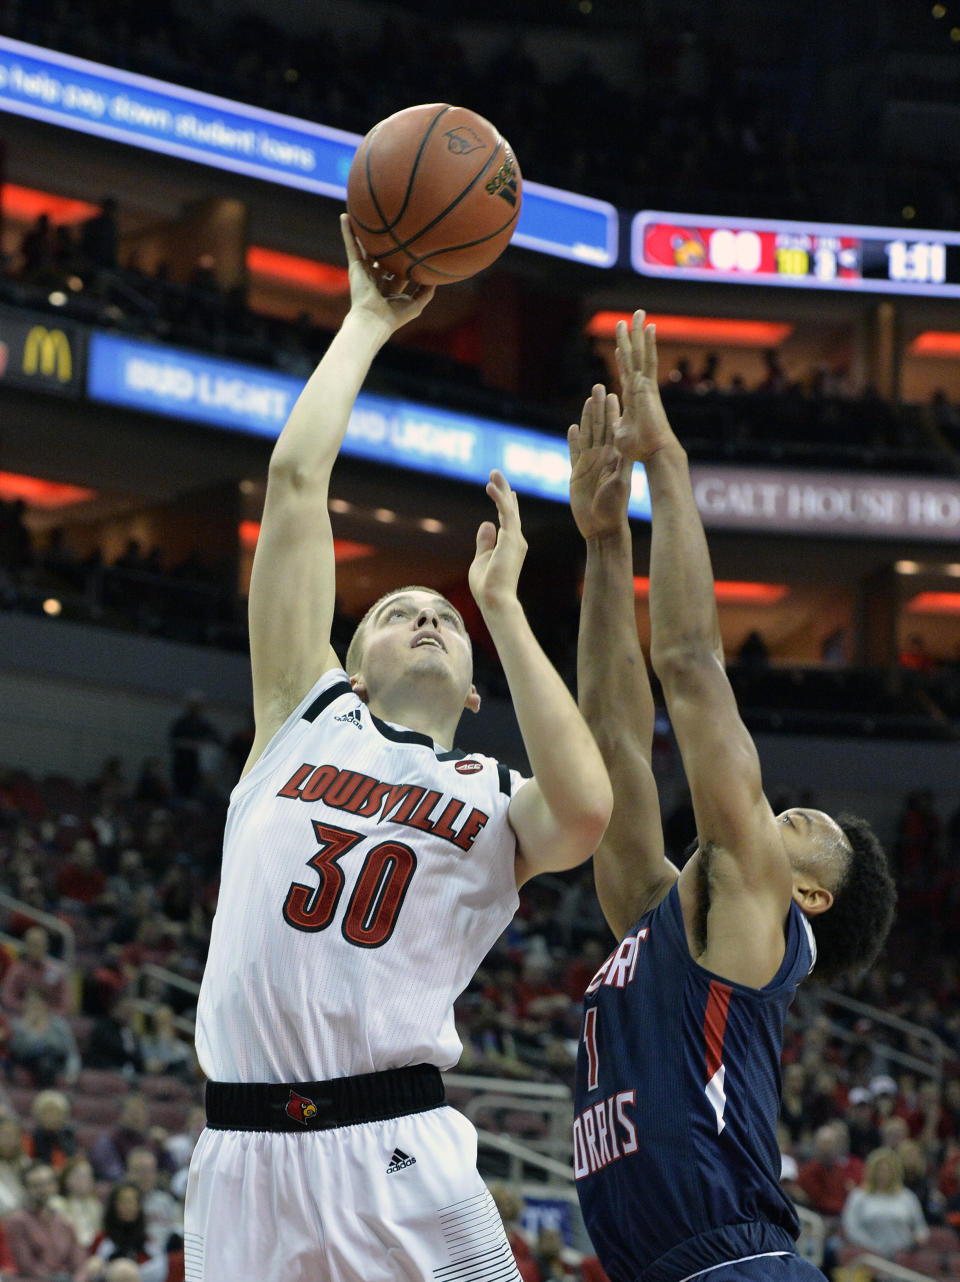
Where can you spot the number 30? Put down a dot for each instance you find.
(377, 897)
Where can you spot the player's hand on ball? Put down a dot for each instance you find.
(599, 475)
(365, 295)
(496, 566)
(643, 428)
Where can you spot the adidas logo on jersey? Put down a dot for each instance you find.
(400, 1161)
(352, 718)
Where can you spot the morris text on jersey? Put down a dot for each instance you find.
(603, 1133)
(401, 803)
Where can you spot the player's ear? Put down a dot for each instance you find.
(359, 688)
(811, 896)
(472, 701)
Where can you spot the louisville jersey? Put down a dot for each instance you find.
(677, 1097)
(366, 873)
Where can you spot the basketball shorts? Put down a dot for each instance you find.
(385, 1201)
(761, 1268)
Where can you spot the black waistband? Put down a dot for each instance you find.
(320, 1106)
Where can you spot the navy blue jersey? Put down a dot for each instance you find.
(677, 1097)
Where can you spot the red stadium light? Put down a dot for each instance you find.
(714, 331)
(25, 204)
(935, 603)
(936, 342)
(730, 591)
(40, 493)
(319, 278)
(343, 549)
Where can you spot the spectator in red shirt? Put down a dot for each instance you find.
(80, 880)
(43, 1244)
(34, 969)
(829, 1176)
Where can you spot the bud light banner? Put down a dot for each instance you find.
(398, 433)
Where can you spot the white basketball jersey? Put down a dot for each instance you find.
(366, 873)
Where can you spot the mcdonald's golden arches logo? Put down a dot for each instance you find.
(47, 352)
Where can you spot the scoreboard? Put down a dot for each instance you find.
(754, 251)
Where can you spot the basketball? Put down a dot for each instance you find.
(433, 195)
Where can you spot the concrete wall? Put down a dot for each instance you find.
(72, 695)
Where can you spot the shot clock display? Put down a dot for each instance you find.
(753, 251)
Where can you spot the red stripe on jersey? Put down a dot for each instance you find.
(715, 1024)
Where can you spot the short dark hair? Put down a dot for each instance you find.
(850, 934)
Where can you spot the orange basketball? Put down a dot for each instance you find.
(433, 195)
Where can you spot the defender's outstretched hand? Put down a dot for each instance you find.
(599, 475)
(366, 297)
(643, 428)
(500, 552)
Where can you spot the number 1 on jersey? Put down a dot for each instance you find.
(590, 1045)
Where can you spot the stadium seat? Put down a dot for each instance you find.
(943, 1266)
(170, 1114)
(100, 1110)
(943, 1238)
(101, 1081)
(160, 1087)
(87, 1134)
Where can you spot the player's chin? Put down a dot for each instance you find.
(430, 662)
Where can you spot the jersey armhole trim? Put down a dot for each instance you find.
(324, 700)
(335, 691)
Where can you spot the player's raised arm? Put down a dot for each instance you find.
(560, 814)
(733, 816)
(629, 867)
(292, 583)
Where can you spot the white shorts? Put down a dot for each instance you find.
(393, 1201)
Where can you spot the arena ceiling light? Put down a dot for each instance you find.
(936, 342)
(343, 549)
(731, 591)
(288, 269)
(713, 331)
(26, 204)
(935, 603)
(37, 492)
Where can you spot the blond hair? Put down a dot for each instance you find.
(874, 1160)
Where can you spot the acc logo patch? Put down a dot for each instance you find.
(463, 140)
(300, 1108)
(468, 767)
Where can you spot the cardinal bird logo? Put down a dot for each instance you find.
(688, 249)
(300, 1108)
